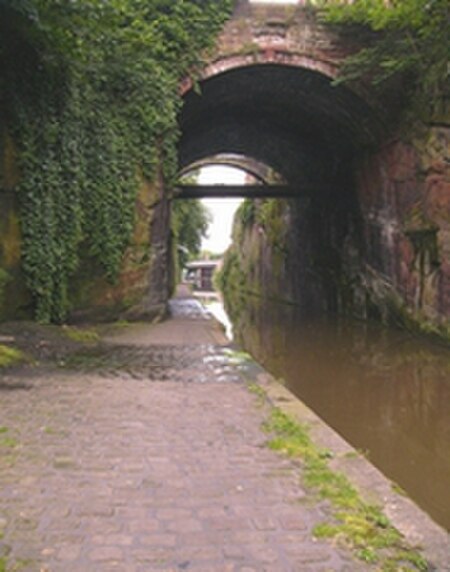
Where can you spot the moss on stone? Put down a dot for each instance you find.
(9, 172)
(360, 525)
(10, 356)
(81, 335)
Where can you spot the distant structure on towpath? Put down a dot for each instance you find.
(200, 273)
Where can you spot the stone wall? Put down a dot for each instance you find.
(14, 298)
(377, 242)
(404, 192)
(143, 285)
(379, 247)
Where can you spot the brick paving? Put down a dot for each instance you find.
(108, 468)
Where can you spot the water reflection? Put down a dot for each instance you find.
(385, 391)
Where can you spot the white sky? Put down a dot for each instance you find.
(222, 210)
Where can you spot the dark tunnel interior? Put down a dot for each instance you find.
(313, 133)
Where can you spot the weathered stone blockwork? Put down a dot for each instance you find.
(142, 288)
(374, 239)
(404, 192)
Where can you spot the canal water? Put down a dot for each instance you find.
(385, 391)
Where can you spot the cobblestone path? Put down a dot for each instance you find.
(149, 456)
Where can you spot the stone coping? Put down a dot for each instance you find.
(417, 527)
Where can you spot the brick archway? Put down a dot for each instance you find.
(268, 55)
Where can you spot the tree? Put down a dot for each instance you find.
(190, 222)
(412, 40)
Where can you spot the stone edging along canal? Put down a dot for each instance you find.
(418, 529)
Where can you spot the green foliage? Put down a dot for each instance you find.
(81, 335)
(361, 525)
(4, 279)
(246, 212)
(90, 90)
(411, 40)
(190, 222)
(10, 356)
(230, 276)
(271, 216)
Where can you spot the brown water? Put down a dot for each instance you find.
(387, 392)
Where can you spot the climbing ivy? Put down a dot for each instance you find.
(411, 40)
(89, 91)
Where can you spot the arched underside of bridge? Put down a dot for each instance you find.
(291, 119)
(298, 124)
(365, 232)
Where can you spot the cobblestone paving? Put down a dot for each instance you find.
(189, 363)
(109, 471)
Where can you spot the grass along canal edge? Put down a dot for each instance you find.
(367, 513)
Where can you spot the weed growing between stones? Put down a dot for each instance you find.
(259, 392)
(82, 336)
(10, 356)
(356, 523)
(6, 441)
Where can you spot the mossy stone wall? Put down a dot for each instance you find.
(142, 287)
(14, 298)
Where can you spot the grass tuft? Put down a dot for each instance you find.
(8, 442)
(82, 336)
(258, 391)
(10, 356)
(361, 525)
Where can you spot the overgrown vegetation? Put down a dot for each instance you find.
(89, 92)
(411, 41)
(84, 336)
(10, 356)
(356, 523)
(190, 222)
(4, 279)
(256, 222)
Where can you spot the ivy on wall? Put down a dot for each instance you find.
(89, 91)
(411, 40)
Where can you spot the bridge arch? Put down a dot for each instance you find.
(267, 93)
(270, 78)
(281, 114)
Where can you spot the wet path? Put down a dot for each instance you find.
(148, 455)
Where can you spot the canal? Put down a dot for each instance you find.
(385, 391)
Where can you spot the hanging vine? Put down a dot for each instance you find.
(90, 90)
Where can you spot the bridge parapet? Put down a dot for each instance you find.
(283, 34)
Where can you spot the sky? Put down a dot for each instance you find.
(222, 210)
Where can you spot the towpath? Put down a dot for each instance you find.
(148, 455)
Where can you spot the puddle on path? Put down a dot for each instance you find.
(189, 364)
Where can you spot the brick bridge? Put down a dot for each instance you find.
(373, 206)
(377, 206)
